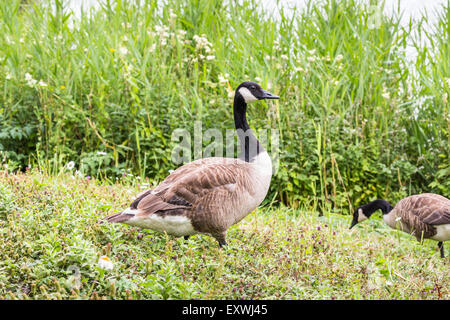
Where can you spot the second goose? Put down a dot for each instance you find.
(209, 195)
(426, 216)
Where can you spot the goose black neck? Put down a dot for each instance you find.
(240, 113)
(250, 146)
(373, 206)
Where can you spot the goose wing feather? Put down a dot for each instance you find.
(438, 217)
(423, 212)
(187, 185)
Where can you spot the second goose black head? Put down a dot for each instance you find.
(365, 211)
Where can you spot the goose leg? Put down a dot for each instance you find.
(221, 239)
(224, 243)
(441, 247)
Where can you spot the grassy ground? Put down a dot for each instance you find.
(51, 244)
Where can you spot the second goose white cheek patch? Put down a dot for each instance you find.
(248, 96)
(361, 216)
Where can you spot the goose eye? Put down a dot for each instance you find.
(253, 87)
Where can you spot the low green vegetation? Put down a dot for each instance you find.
(88, 106)
(52, 240)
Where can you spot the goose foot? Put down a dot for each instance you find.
(221, 239)
(224, 243)
(186, 238)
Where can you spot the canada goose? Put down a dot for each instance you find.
(211, 194)
(426, 216)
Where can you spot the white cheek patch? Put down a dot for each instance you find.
(248, 96)
(361, 216)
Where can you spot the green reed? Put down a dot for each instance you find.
(106, 91)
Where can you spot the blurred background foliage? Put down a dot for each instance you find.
(358, 119)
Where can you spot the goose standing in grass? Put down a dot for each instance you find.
(209, 195)
(426, 216)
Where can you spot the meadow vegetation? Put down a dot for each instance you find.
(88, 106)
(52, 241)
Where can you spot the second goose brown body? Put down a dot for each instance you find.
(426, 216)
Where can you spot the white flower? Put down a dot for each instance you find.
(29, 79)
(123, 50)
(202, 43)
(398, 218)
(73, 47)
(78, 174)
(70, 165)
(181, 33)
(258, 79)
(284, 57)
(222, 79)
(339, 58)
(448, 81)
(105, 263)
(210, 57)
(311, 59)
(312, 51)
(8, 76)
(385, 95)
(42, 83)
(145, 185)
(101, 153)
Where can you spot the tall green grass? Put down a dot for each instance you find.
(107, 90)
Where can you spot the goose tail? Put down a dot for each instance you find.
(120, 217)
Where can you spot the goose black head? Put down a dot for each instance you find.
(251, 91)
(365, 211)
